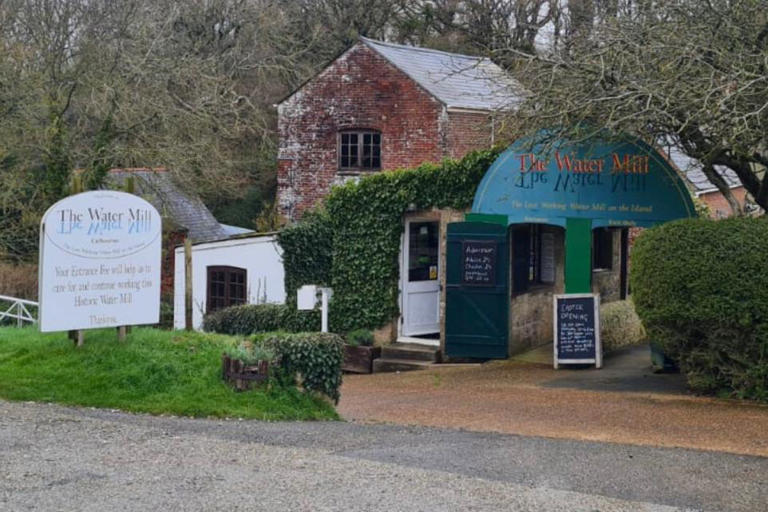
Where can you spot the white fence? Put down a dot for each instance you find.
(18, 310)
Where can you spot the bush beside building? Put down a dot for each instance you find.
(701, 290)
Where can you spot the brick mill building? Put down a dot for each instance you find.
(382, 106)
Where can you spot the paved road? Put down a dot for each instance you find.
(56, 458)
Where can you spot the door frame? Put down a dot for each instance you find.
(402, 282)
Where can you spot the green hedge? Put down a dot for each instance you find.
(701, 289)
(354, 242)
(254, 318)
(312, 358)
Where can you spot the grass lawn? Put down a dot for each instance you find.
(154, 371)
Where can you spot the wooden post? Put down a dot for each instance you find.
(80, 338)
(76, 184)
(121, 332)
(188, 284)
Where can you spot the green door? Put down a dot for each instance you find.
(476, 306)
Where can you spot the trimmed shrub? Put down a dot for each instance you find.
(620, 326)
(360, 338)
(701, 290)
(313, 358)
(254, 318)
(250, 353)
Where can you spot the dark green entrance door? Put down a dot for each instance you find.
(476, 308)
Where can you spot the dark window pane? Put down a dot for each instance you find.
(422, 251)
(360, 149)
(348, 154)
(367, 153)
(521, 249)
(353, 150)
(602, 248)
(226, 287)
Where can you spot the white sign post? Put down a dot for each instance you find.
(100, 262)
(306, 300)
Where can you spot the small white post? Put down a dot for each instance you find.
(324, 310)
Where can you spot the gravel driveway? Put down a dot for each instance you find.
(56, 458)
(622, 403)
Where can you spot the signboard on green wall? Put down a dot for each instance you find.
(621, 182)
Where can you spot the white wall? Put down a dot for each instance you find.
(260, 256)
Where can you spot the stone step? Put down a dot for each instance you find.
(409, 352)
(383, 365)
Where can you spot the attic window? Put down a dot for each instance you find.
(359, 150)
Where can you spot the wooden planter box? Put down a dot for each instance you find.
(243, 376)
(359, 359)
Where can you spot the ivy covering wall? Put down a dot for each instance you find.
(353, 241)
(307, 249)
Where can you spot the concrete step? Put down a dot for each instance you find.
(409, 352)
(382, 365)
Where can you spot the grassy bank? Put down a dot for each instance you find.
(154, 371)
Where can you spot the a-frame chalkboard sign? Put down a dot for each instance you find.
(577, 329)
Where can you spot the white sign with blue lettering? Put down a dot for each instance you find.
(100, 261)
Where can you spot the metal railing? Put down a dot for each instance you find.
(18, 310)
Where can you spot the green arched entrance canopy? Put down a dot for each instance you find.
(580, 186)
(612, 182)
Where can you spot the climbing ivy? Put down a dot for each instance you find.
(353, 243)
(307, 248)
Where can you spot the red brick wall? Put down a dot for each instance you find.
(718, 206)
(468, 131)
(358, 90)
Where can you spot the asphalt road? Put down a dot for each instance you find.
(56, 458)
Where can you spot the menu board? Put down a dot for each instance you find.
(577, 329)
(478, 262)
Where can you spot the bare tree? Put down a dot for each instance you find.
(477, 26)
(92, 84)
(687, 71)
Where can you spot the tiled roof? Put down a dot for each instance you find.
(186, 210)
(458, 81)
(691, 169)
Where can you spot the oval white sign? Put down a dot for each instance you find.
(102, 224)
(100, 258)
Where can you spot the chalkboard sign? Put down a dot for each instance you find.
(478, 262)
(577, 329)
